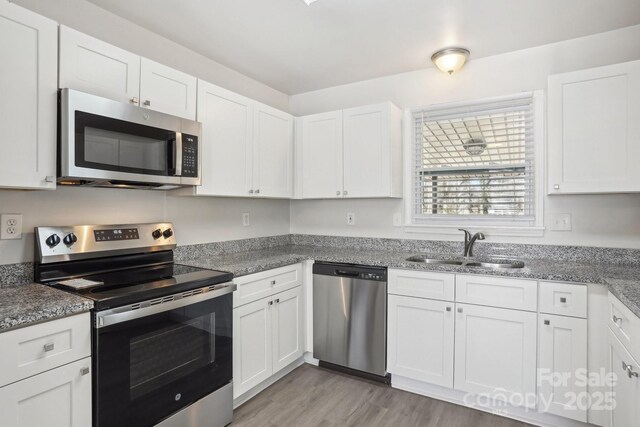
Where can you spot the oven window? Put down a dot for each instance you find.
(110, 144)
(150, 367)
(176, 351)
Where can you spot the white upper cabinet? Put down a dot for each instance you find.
(167, 90)
(351, 153)
(28, 102)
(247, 147)
(227, 124)
(372, 151)
(321, 149)
(93, 66)
(594, 130)
(273, 152)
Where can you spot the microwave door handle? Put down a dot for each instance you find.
(177, 154)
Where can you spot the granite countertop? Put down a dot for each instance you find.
(622, 281)
(21, 305)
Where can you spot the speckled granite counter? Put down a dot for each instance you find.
(21, 305)
(623, 281)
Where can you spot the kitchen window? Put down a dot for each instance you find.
(477, 164)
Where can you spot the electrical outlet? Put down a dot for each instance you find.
(397, 219)
(561, 222)
(246, 219)
(351, 218)
(11, 226)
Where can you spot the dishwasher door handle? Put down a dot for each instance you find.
(346, 273)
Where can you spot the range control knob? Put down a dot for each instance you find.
(167, 233)
(70, 239)
(52, 240)
(156, 233)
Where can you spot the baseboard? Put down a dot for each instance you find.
(529, 416)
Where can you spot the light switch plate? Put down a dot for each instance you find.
(11, 226)
(351, 218)
(561, 222)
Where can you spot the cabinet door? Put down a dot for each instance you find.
(28, 102)
(420, 339)
(93, 66)
(227, 120)
(167, 90)
(60, 397)
(626, 389)
(563, 351)
(322, 155)
(367, 151)
(594, 130)
(273, 152)
(252, 352)
(287, 328)
(496, 353)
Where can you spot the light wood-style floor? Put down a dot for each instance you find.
(312, 396)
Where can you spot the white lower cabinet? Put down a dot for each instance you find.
(562, 346)
(60, 397)
(496, 353)
(267, 336)
(420, 342)
(626, 387)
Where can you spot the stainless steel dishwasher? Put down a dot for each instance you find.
(350, 318)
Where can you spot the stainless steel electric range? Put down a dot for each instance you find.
(162, 332)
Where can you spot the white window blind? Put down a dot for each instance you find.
(475, 159)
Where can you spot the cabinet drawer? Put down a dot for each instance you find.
(625, 325)
(497, 292)
(422, 284)
(260, 285)
(564, 299)
(28, 351)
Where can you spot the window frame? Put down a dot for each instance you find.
(448, 225)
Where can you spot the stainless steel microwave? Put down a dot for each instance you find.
(106, 143)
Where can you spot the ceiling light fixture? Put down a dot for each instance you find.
(450, 59)
(308, 2)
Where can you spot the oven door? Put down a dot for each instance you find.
(151, 362)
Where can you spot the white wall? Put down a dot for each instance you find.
(196, 220)
(604, 220)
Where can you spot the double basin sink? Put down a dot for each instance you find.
(468, 262)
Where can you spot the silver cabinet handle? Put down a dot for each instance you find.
(270, 302)
(547, 322)
(250, 191)
(147, 103)
(134, 100)
(49, 347)
(258, 191)
(278, 301)
(629, 370)
(448, 308)
(273, 282)
(338, 193)
(345, 192)
(563, 299)
(556, 187)
(84, 371)
(460, 310)
(49, 178)
(617, 319)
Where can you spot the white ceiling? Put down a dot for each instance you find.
(297, 48)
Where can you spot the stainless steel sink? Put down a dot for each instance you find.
(468, 262)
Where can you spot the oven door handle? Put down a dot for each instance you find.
(145, 308)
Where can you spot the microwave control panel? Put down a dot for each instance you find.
(189, 156)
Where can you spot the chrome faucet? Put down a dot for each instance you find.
(469, 240)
